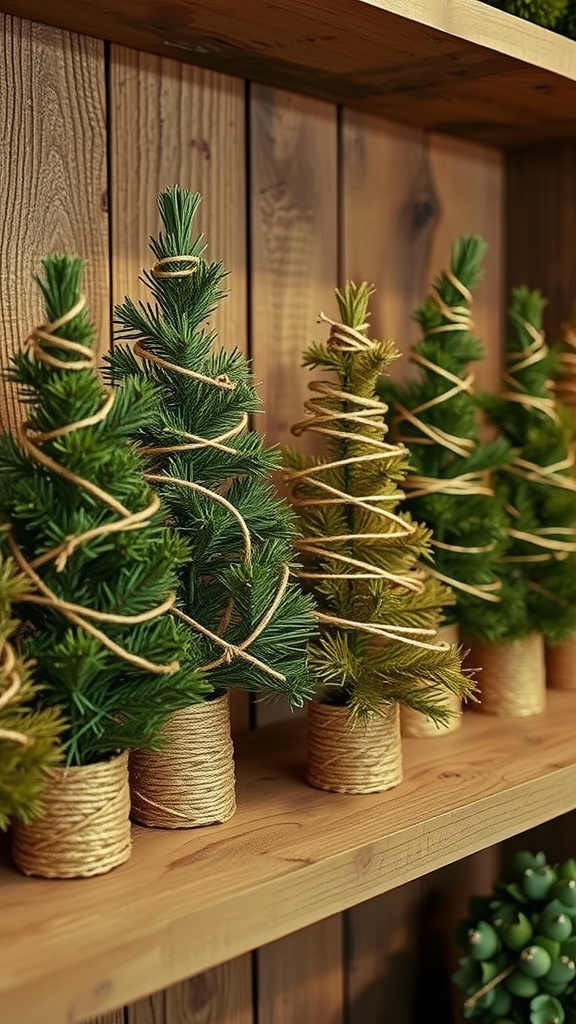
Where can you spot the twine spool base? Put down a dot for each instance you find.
(561, 665)
(191, 781)
(512, 679)
(414, 724)
(362, 758)
(85, 828)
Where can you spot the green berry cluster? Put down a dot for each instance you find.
(520, 944)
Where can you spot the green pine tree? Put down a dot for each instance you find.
(252, 618)
(87, 531)
(378, 611)
(449, 483)
(547, 13)
(567, 24)
(537, 488)
(29, 737)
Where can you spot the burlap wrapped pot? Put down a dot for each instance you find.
(85, 827)
(190, 781)
(414, 723)
(353, 757)
(512, 676)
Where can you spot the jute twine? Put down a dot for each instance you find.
(346, 756)
(75, 357)
(512, 676)
(414, 723)
(10, 686)
(561, 665)
(190, 782)
(175, 267)
(85, 828)
(341, 415)
(458, 318)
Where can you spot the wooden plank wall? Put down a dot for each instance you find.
(298, 196)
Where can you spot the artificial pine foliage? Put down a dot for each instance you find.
(88, 533)
(519, 942)
(547, 13)
(449, 484)
(253, 620)
(29, 737)
(378, 611)
(537, 488)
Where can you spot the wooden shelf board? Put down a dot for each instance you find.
(292, 855)
(462, 68)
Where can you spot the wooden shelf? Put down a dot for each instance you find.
(188, 900)
(462, 68)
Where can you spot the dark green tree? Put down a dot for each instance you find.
(378, 611)
(449, 483)
(87, 531)
(29, 737)
(547, 13)
(537, 488)
(252, 620)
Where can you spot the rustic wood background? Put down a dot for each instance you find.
(299, 194)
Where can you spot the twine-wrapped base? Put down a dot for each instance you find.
(561, 665)
(512, 679)
(362, 758)
(85, 829)
(414, 723)
(190, 782)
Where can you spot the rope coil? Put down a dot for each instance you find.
(328, 409)
(417, 485)
(78, 615)
(193, 442)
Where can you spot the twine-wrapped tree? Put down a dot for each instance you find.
(236, 591)
(378, 610)
(538, 491)
(449, 484)
(29, 737)
(88, 533)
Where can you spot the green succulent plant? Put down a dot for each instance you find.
(519, 965)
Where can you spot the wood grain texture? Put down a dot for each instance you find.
(469, 183)
(389, 215)
(293, 189)
(220, 996)
(300, 979)
(52, 176)
(452, 67)
(298, 855)
(540, 241)
(114, 1017)
(173, 124)
(382, 957)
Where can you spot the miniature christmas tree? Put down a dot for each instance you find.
(449, 484)
(87, 532)
(541, 12)
(537, 488)
(252, 620)
(29, 738)
(378, 611)
(520, 946)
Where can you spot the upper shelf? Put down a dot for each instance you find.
(188, 900)
(454, 66)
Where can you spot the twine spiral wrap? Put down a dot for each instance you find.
(353, 757)
(512, 676)
(465, 484)
(181, 267)
(85, 827)
(10, 686)
(415, 724)
(190, 782)
(348, 416)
